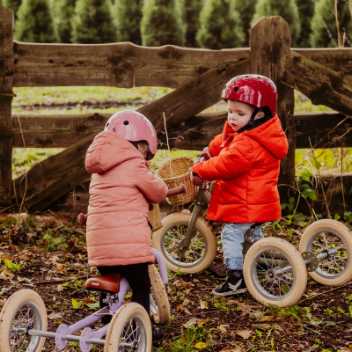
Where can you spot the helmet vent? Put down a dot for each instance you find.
(125, 122)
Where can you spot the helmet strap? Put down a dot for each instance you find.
(253, 123)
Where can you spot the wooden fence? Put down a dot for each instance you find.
(324, 75)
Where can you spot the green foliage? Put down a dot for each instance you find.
(162, 23)
(54, 241)
(127, 17)
(33, 24)
(306, 11)
(194, 338)
(190, 13)
(10, 265)
(220, 25)
(324, 33)
(286, 9)
(61, 14)
(12, 4)
(92, 22)
(246, 10)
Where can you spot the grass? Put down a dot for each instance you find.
(51, 100)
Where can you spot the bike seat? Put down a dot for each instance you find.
(107, 283)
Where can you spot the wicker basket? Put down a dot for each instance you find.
(176, 172)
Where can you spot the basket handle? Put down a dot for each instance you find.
(176, 190)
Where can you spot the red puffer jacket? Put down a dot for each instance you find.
(246, 168)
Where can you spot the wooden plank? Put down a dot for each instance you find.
(321, 84)
(52, 178)
(270, 42)
(60, 131)
(117, 64)
(6, 80)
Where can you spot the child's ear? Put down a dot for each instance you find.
(259, 115)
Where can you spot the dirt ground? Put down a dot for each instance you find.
(47, 253)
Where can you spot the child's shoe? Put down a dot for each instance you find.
(233, 285)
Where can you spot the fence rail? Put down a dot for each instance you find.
(324, 75)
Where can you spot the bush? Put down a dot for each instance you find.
(32, 22)
(306, 11)
(286, 9)
(127, 16)
(190, 14)
(324, 32)
(246, 10)
(12, 4)
(61, 14)
(162, 23)
(220, 25)
(92, 22)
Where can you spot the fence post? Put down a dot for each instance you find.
(6, 94)
(270, 43)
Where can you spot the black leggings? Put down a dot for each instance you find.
(138, 279)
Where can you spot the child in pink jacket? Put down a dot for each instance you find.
(121, 188)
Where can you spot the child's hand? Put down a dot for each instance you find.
(196, 179)
(205, 155)
(82, 218)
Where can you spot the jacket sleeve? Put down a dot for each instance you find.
(231, 162)
(153, 187)
(214, 145)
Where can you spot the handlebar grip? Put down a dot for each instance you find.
(176, 190)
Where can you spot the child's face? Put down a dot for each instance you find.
(238, 114)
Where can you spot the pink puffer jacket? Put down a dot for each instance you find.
(121, 187)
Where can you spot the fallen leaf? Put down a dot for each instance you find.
(200, 345)
(245, 334)
(203, 305)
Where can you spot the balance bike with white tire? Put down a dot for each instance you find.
(23, 314)
(327, 247)
(129, 330)
(185, 253)
(275, 272)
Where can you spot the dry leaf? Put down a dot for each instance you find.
(245, 334)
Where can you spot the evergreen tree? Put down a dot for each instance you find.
(92, 22)
(190, 13)
(162, 23)
(61, 14)
(286, 9)
(324, 33)
(33, 22)
(12, 4)
(127, 17)
(220, 25)
(306, 11)
(246, 10)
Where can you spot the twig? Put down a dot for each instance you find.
(325, 292)
(53, 282)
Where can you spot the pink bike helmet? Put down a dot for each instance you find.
(134, 127)
(256, 90)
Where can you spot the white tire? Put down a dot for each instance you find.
(261, 264)
(201, 252)
(325, 234)
(23, 310)
(159, 296)
(129, 328)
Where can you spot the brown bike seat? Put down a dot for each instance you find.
(108, 283)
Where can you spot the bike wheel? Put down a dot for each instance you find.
(130, 330)
(333, 240)
(275, 272)
(23, 311)
(160, 306)
(200, 252)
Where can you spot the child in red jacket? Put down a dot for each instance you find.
(244, 162)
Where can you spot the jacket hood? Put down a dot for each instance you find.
(271, 136)
(107, 151)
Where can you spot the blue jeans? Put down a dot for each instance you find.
(232, 237)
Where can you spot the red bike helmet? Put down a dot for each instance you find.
(134, 127)
(252, 89)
